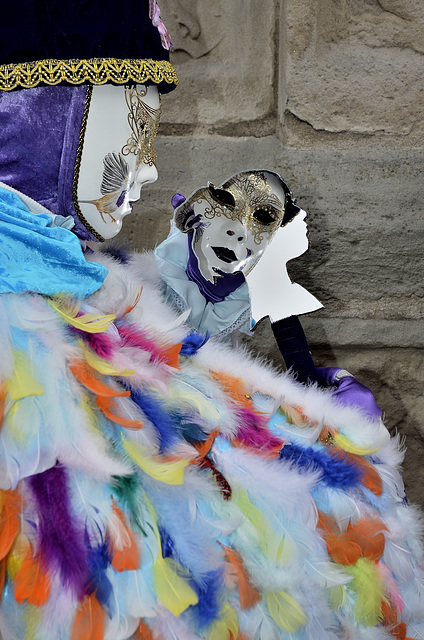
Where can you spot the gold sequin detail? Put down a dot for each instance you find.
(25, 75)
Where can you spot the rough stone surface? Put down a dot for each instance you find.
(219, 90)
(356, 66)
(328, 93)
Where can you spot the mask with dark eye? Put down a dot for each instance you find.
(265, 217)
(222, 196)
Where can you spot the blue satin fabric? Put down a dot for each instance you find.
(37, 257)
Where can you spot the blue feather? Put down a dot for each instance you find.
(156, 412)
(209, 592)
(99, 559)
(336, 472)
(192, 343)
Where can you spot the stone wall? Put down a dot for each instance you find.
(329, 93)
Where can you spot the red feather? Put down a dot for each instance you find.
(32, 583)
(10, 504)
(248, 594)
(340, 547)
(89, 620)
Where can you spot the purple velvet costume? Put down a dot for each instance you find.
(39, 135)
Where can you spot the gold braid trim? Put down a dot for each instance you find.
(25, 75)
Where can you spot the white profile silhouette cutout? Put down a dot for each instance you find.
(271, 291)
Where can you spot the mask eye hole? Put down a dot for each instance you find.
(222, 196)
(264, 216)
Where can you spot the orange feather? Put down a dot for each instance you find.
(248, 594)
(135, 303)
(107, 405)
(143, 632)
(170, 355)
(86, 376)
(32, 583)
(370, 478)
(340, 547)
(367, 533)
(10, 505)
(127, 558)
(89, 620)
(233, 386)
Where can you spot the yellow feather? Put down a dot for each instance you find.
(347, 445)
(337, 596)
(226, 626)
(89, 322)
(171, 588)
(187, 394)
(285, 611)
(370, 592)
(31, 616)
(272, 543)
(167, 472)
(22, 383)
(104, 366)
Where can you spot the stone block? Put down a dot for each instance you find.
(224, 56)
(355, 66)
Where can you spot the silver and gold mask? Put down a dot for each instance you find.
(233, 223)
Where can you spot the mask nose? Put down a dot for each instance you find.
(235, 232)
(146, 174)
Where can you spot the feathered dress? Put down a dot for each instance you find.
(158, 485)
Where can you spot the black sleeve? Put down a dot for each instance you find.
(294, 348)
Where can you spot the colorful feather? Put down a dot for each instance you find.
(136, 337)
(162, 469)
(144, 633)
(2, 402)
(336, 472)
(23, 383)
(10, 507)
(248, 594)
(346, 444)
(109, 408)
(370, 592)
(227, 627)
(126, 489)
(155, 411)
(369, 475)
(69, 310)
(104, 366)
(87, 377)
(60, 537)
(192, 343)
(285, 611)
(172, 589)
(89, 620)
(126, 554)
(209, 593)
(32, 583)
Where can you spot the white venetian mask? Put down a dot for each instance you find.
(118, 157)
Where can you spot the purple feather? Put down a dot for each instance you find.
(253, 432)
(60, 536)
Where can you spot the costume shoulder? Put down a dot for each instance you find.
(159, 485)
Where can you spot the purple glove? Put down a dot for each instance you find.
(350, 391)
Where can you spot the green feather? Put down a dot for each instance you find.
(126, 489)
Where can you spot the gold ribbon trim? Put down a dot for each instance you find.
(25, 75)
